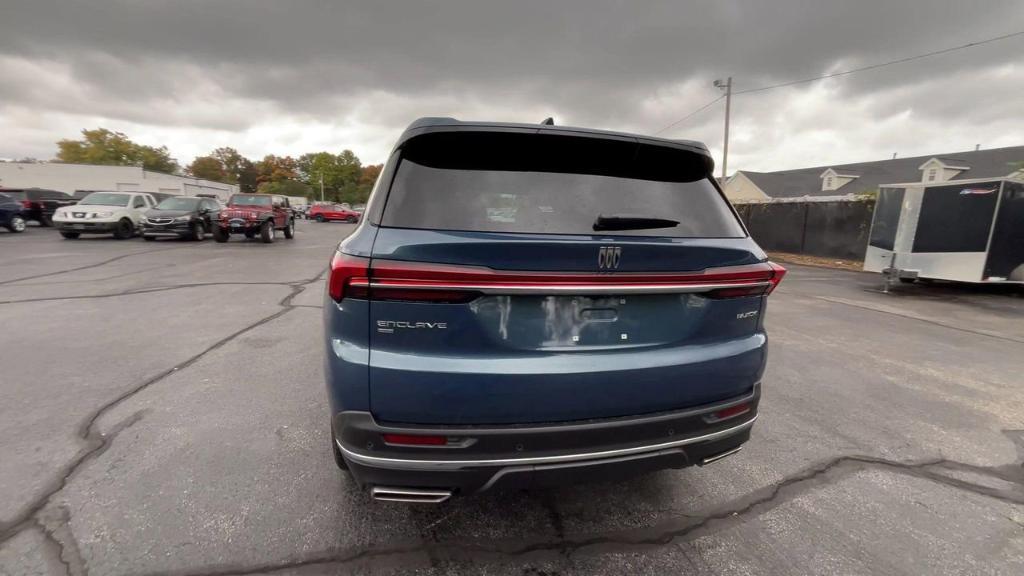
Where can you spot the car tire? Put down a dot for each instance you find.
(125, 229)
(267, 232)
(320, 218)
(46, 220)
(149, 238)
(70, 235)
(289, 229)
(198, 231)
(338, 458)
(220, 234)
(16, 224)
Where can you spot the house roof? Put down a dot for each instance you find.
(994, 163)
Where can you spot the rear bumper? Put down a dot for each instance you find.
(484, 458)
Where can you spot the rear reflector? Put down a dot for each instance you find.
(731, 412)
(413, 440)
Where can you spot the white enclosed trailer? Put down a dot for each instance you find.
(962, 230)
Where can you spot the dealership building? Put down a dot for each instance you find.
(71, 177)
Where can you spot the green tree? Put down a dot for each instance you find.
(285, 187)
(340, 172)
(208, 168)
(108, 148)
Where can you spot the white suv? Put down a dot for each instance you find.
(117, 213)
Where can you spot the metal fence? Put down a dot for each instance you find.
(836, 229)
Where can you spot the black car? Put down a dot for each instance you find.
(39, 204)
(186, 217)
(11, 214)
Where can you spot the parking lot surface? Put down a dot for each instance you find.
(164, 413)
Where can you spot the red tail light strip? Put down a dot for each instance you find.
(388, 279)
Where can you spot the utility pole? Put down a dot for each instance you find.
(727, 86)
(321, 185)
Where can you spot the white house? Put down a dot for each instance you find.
(848, 180)
(71, 177)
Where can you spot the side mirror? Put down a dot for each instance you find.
(204, 211)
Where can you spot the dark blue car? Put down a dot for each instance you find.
(527, 305)
(12, 214)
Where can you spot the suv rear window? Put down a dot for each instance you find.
(528, 183)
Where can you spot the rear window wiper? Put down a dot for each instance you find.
(631, 222)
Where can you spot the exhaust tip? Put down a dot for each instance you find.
(719, 456)
(416, 495)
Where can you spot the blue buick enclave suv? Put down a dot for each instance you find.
(524, 305)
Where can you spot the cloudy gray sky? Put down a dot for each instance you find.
(288, 77)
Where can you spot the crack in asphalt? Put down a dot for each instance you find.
(144, 291)
(96, 442)
(88, 266)
(727, 515)
(52, 544)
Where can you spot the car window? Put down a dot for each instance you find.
(553, 185)
(105, 199)
(250, 200)
(139, 202)
(178, 204)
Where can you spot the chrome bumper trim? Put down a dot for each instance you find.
(415, 464)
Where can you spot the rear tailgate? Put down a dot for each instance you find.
(493, 300)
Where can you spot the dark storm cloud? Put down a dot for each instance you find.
(368, 68)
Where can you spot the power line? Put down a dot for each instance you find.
(690, 115)
(881, 65)
(846, 73)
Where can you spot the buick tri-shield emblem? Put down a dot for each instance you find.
(608, 257)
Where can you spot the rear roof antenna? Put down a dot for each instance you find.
(549, 121)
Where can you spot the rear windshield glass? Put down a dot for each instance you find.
(528, 183)
(105, 199)
(15, 195)
(178, 204)
(250, 200)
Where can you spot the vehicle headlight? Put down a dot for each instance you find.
(102, 214)
(184, 218)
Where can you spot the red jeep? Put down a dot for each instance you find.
(324, 212)
(255, 214)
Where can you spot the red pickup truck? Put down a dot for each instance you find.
(255, 215)
(325, 212)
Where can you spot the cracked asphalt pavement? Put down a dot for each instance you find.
(163, 413)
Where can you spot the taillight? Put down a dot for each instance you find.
(27, 204)
(349, 277)
(742, 292)
(426, 295)
(778, 273)
(769, 280)
(354, 277)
